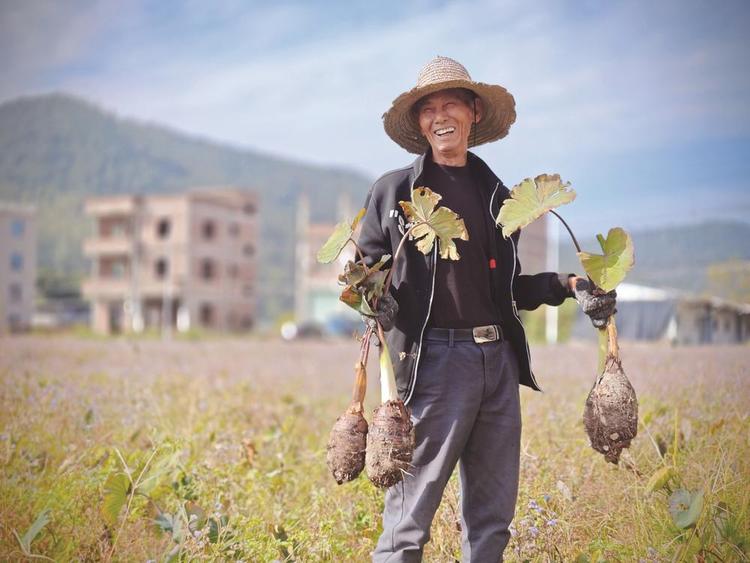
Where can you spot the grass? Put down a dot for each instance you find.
(218, 449)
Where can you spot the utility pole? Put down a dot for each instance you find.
(553, 263)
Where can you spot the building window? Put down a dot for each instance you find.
(206, 314)
(119, 229)
(208, 230)
(15, 292)
(17, 228)
(163, 227)
(248, 249)
(118, 269)
(249, 208)
(234, 229)
(161, 268)
(16, 262)
(208, 270)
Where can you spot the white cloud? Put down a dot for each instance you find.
(611, 79)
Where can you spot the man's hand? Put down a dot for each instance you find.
(386, 310)
(599, 307)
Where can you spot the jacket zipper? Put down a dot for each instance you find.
(512, 298)
(413, 383)
(424, 325)
(515, 314)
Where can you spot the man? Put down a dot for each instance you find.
(459, 349)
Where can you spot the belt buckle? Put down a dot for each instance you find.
(485, 334)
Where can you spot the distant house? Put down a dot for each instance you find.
(162, 261)
(317, 288)
(17, 266)
(647, 313)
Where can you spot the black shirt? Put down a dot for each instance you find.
(463, 289)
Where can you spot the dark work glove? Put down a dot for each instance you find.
(599, 307)
(386, 310)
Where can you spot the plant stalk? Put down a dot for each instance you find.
(614, 349)
(387, 282)
(570, 232)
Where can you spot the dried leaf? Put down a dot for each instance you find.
(531, 199)
(441, 223)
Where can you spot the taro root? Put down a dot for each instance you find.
(611, 412)
(348, 438)
(390, 442)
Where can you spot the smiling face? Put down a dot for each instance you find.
(445, 119)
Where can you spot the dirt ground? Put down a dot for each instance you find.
(324, 367)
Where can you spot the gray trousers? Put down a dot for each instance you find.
(466, 408)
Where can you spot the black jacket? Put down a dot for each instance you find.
(412, 284)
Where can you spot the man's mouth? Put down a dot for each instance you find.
(444, 131)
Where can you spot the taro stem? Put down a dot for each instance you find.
(387, 282)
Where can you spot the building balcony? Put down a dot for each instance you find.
(112, 205)
(107, 288)
(107, 245)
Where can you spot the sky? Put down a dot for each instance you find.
(643, 106)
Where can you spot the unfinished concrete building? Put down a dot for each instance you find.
(17, 266)
(173, 261)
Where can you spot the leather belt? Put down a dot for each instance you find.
(479, 334)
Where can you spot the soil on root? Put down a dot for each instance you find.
(346, 445)
(390, 444)
(611, 412)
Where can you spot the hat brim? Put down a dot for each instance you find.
(498, 114)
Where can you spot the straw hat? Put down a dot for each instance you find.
(439, 74)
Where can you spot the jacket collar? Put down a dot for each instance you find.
(478, 166)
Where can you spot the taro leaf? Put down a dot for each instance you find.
(659, 479)
(430, 223)
(354, 299)
(335, 243)
(380, 263)
(338, 239)
(609, 269)
(685, 507)
(373, 284)
(357, 218)
(41, 521)
(116, 490)
(531, 199)
(354, 272)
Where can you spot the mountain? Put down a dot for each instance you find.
(679, 257)
(56, 150)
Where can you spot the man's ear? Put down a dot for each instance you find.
(478, 109)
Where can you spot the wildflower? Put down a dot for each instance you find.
(546, 497)
(552, 522)
(533, 505)
(534, 531)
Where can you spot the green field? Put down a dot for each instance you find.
(214, 449)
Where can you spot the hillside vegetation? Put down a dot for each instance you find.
(57, 150)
